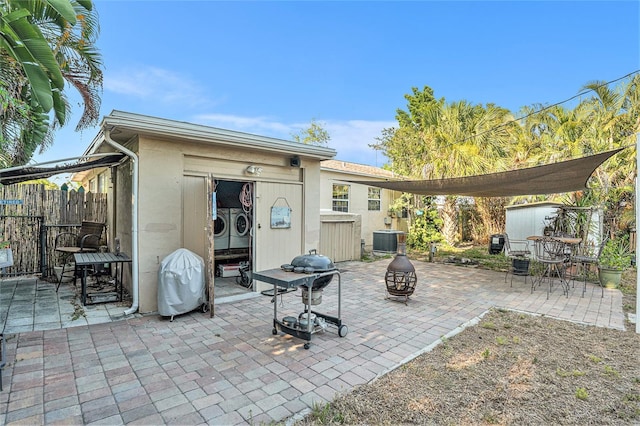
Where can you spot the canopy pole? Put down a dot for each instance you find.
(637, 239)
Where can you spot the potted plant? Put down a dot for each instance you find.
(614, 259)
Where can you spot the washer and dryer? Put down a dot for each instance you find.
(239, 227)
(221, 229)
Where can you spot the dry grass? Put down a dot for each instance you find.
(512, 369)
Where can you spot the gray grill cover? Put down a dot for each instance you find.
(181, 283)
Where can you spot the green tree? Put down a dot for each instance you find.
(425, 227)
(315, 134)
(44, 43)
(435, 140)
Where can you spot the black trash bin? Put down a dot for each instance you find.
(496, 243)
(520, 266)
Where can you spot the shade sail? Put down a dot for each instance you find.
(23, 174)
(555, 178)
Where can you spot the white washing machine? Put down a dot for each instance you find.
(221, 229)
(239, 229)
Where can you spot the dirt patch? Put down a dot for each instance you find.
(511, 368)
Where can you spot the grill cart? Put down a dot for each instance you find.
(316, 274)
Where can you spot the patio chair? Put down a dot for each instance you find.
(87, 239)
(550, 253)
(585, 257)
(518, 253)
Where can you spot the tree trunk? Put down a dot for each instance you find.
(492, 215)
(450, 219)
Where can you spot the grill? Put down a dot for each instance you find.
(312, 263)
(312, 273)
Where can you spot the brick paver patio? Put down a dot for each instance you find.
(230, 369)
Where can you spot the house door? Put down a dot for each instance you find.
(277, 244)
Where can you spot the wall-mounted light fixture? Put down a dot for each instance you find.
(253, 170)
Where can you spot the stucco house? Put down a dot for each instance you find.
(351, 212)
(177, 177)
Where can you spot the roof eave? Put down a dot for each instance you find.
(165, 128)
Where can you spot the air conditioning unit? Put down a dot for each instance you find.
(386, 241)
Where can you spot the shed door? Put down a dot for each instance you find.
(194, 219)
(277, 246)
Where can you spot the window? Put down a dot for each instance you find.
(340, 198)
(374, 199)
(101, 183)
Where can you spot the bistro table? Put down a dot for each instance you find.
(85, 261)
(554, 252)
(566, 240)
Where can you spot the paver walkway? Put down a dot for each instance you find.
(230, 369)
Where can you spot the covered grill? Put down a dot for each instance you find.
(312, 273)
(312, 263)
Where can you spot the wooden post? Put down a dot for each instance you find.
(210, 260)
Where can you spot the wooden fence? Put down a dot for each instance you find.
(31, 217)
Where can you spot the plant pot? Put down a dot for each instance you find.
(520, 266)
(610, 278)
(69, 272)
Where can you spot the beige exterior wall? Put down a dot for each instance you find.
(163, 165)
(358, 202)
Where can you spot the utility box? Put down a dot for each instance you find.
(386, 241)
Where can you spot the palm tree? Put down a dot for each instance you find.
(437, 140)
(44, 43)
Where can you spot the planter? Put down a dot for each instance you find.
(69, 272)
(610, 278)
(520, 266)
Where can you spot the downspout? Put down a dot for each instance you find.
(134, 225)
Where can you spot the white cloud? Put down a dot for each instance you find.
(350, 138)
(154, 84)
(258, 125)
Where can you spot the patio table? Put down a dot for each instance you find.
(88, 260)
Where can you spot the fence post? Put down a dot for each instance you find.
(43, 247)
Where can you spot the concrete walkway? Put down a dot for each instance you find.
(230, 369)
(30, 304)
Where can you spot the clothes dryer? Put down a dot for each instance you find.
(239, 229)
(221, 230)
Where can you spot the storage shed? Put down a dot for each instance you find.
(523, 220)
(531, 219)
(179, 177)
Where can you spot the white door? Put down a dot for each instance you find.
(275, 246)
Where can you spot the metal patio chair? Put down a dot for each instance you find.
(87, 239)
(518, 252)
(585, 257)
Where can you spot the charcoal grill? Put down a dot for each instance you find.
(312, 273)
(312, 263)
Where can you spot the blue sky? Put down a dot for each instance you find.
(269, 68)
